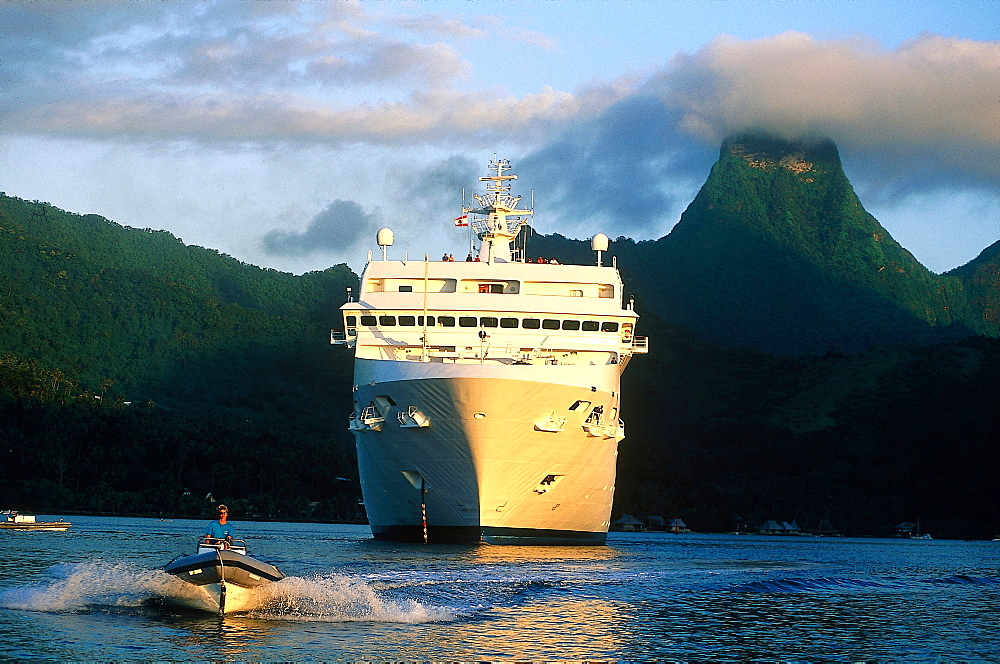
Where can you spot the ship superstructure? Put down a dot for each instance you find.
(487, 392)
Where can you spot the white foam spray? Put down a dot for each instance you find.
(328, 598)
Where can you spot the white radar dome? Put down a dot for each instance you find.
(385, 237)
(599, 242)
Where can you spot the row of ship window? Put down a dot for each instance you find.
(485, 321)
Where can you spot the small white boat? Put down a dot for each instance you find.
(224, 572)
(27, 523)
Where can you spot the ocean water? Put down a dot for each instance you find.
(96, 593)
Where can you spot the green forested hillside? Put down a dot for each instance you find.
(981, 279)
(867, 440)
(141, 308)
(65, 451)
(137, 316)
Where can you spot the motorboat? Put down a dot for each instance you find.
(226, 576)
(27, 523)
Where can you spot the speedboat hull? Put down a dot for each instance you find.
(226, 579)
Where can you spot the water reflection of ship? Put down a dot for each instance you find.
(572, 628)
(517, 555)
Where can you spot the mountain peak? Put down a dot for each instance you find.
(806, 268)
(767, 151)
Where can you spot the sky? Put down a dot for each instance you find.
(286, 133)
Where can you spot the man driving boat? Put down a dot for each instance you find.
(221, 530)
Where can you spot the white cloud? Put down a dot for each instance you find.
(241, 72)
(931, 91)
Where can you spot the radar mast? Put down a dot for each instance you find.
(497, 220)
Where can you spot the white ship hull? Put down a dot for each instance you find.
(478, 471)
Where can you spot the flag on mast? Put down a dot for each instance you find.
(462, 221)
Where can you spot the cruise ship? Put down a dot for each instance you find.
(487, 391)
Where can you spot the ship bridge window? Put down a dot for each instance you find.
(571, 325)
(609, 326)
(430, 321)
(550, 324)
(508, 322)
(468, 321)
(368, 320)
(491, 286)
(488, 321)
(591, 326)
(566, 288)
(531, 323)
(387, 320)
(408, 321)
(352, 321)
(386, 285)
(446, 321)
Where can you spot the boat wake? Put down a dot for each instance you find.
(342, 598)
(78, 587)
(109, 586)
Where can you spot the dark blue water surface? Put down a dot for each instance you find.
(643, 596)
